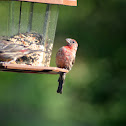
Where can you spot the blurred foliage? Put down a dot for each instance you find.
(94, 90)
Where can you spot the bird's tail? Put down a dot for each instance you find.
(61, 82)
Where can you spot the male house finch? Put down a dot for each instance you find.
(65, 58)
(11, 51)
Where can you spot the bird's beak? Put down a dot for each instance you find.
(68, 40)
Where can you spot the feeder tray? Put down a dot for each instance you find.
(31, 69)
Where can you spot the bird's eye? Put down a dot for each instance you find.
(73, 42)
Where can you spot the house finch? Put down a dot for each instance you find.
(10, 51)
(65, 58)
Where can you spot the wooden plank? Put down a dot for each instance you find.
(62, 2)
(70, 2)
(31, 69)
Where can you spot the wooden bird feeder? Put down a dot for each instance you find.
(31, 23)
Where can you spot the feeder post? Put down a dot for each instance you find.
(30, 17)
(49, 29)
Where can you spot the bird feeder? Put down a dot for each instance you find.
(31, 23)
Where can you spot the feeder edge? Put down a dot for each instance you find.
(62, 2)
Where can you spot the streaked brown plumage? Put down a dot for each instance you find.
(10, 51)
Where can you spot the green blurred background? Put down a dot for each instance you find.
(95, 89)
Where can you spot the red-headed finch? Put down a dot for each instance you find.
(65, 58)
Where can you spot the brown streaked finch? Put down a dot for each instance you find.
(65, 58)
(10, 51)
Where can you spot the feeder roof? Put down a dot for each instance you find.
(62, 2)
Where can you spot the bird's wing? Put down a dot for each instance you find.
(8, 46)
